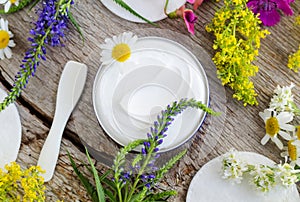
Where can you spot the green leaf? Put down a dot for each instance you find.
(110, 195)
(139, 196)
(75, 24)
(87, 185)
(34, 4)
(99, 188)
(168, 165)
(128, 8)
(161, 196)
(110, 184)
(14, 8)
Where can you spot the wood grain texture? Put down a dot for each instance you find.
(239, 127)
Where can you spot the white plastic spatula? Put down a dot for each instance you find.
(70, 88)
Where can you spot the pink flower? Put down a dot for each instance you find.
(189, 18)
(196, 3)
(269, 10)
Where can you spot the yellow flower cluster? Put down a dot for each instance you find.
(238, 34)
(294, 61)
(21, 185)
(297, 20)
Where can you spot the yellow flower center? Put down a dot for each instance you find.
(4, 39)
(292, 149)
(272, 126)
(121, 52)
(298, 132)
(13, 1)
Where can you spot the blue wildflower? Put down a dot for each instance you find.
(49, 29)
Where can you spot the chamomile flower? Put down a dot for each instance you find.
(8, 4)
(263, 177)
(287, 174)
(292, 150)
(118, 48)
(283, 99)
(275, 124)
(233, 168)
(5, 40)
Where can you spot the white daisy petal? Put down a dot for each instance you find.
(132, 40)
(277, 142)
(284, 154)
(7, 6)
(105, 47)
(265, 115)
(285, 135)
(11, 43)
(11, 35)
(296, 143)
(1, 54)
(285, 117)
(2, 23)
(17, 3)
(106, 55)
(287, 127)
(115, 39)
(3, 1)
(265, 139)
(6, 25)
(7, 52)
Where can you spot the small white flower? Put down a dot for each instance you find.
(233, 168)
(283, 99)
(263, 177)
(286, 174)
(8, 4)
(118, 48)
(5, 40)
(275, 124)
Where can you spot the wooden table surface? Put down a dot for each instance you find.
(238, 127)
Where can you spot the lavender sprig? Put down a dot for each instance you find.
(130, 185)
(49, 30)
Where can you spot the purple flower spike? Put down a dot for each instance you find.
(144, 151)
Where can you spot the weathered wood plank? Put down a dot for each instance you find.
(241, 129)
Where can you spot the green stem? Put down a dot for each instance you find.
(141, 171)
(166, 6)
(119, 193)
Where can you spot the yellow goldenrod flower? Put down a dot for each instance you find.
(294, 61)
(238, 34)
(21, 185)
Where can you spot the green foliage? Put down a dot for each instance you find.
(99, 187)
(91, 190)
(136, 181)
(13, 8)
(28, 67)
(238, 34)
(75, 24)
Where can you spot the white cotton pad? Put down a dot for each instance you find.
(208, 184)
(10, 133)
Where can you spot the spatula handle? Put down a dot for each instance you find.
(50, 151)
